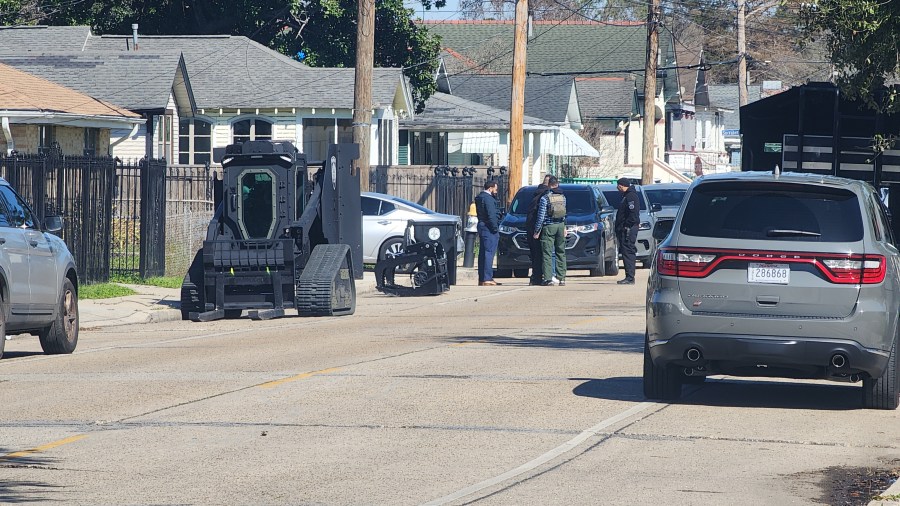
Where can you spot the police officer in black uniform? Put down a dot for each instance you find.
(628, 217)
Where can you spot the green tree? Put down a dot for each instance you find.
(318, 32)
(862, 37)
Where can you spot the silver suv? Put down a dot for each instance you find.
(793, 276)
(38, 283)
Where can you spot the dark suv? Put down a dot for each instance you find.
(792, 276)
(590, 240)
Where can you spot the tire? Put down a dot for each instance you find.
(391, 248)
(600, 270)
(192, 299)
(884, 392)
(452, 262)
(61, 336)
(230, 314)
(693, 380)
(660, 381)
(2, 327)
(520, 273)
(612, 265)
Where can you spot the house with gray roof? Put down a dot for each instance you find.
(470, 124)
(610, 110)
(579, 49)
(725, 97)
(149, 84)
(241, 91)
(37, 115)
(456, 131)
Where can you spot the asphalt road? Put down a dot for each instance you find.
(493, 395)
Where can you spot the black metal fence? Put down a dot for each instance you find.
(442, 188)
(100, 200)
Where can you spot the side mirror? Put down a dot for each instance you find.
(662, 229)
(607, 209)
(655, 208)
(53, 224)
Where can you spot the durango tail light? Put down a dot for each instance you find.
(839, 268)
(865, 269)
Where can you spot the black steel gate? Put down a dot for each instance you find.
(92, 196)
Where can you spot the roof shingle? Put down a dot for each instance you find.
(21, 91)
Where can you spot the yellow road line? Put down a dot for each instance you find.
(45, 447)
(273, 384)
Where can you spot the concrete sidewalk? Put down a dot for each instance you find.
(154, 304)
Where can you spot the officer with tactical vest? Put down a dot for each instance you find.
(628, 217)
(550, 227)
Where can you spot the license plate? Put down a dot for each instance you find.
(779, 274)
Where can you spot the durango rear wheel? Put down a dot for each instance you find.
(62, 335)
(660, 381)
(884, 392)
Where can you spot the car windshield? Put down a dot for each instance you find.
(615, 199)
(782, 211)
(666, 197)
(413, 205)
(580, 201)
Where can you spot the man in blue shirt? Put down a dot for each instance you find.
(488, 232)
(550, 227)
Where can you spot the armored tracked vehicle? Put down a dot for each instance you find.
(277, 239)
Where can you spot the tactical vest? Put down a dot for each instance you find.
(557, 207)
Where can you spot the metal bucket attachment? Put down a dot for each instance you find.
(427, 277)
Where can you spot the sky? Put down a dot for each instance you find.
(450, 11)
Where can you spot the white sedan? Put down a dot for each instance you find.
(385, 219)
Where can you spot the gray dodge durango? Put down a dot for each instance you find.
(790, 275)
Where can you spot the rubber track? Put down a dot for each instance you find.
(316, 284)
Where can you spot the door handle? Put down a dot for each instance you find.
(767, 300)
(2, 240)
(384, 222)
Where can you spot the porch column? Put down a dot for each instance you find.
(7, 134)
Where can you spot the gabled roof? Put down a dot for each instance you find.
(226, 71)
(546, 97)
(606, 97)
(25, 95)
(449, 112)
(725, 96)
(224, 67)
(555, 46)
(689, 51)
(15, 39)
(139, 81)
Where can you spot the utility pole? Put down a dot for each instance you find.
(742, 51)
(362, 90)
(517, 106)
(650, 92)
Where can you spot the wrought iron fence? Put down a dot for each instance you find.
(100, 201)
(444, 189)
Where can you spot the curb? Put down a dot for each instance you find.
(165, 313)
(893, 490)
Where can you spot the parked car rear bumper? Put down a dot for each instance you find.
(758, 346)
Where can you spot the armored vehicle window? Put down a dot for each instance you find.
(256, 212)
(780, 211)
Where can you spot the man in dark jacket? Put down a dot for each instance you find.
(628, 217)
(488, 232)
(534, 245)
